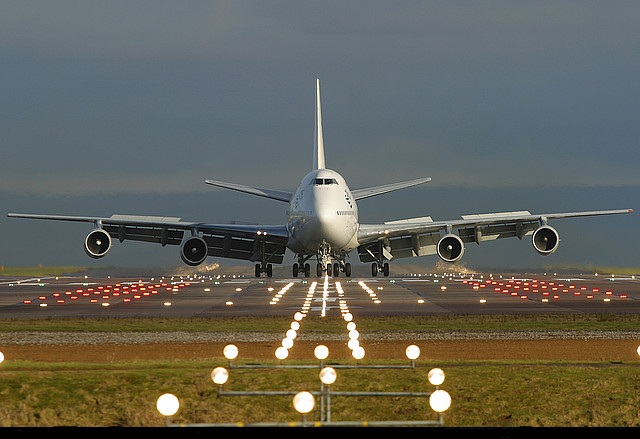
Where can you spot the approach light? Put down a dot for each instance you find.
(328, 375)
(168, 404)
(282, 353)
(436, 376)
(303, 402)
(412, 352)
(219, 375)
(358, 353)
(321, 352)
(230, 352)
(440, 400)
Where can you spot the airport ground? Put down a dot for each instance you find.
(420, 297)
(235, 292)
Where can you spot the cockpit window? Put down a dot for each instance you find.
(324, 181)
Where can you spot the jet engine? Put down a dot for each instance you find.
(450, 248)
(193, 251)
(545, 240)
(97, 243)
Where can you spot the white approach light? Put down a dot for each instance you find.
(230, 352)
(436, 376)
(219, 375)
(440, 400)
(358, 353)
(328, 375)
(321, 352)
(303, 402)
(412, 352)
(282, 353)
(167, 404)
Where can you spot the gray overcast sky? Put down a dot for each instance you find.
(127, 107)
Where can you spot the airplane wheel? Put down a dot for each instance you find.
(307, 270)
(269, 270)
(374, 269)
(336, 269)
(385, 269)
(319, 269)
(258, 270)
(329, 269)
(347, 269)
(295, 270)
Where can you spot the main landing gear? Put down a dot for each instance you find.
(306, 269)
(383, 268)
(268, 269)
(331, 269)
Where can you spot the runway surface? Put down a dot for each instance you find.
(223, 295)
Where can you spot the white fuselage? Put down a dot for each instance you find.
(322, 212)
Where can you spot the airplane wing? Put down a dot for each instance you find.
(421, 236)
(359, 194)
(261, 192)
(235, 241)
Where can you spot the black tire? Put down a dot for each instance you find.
(336, 269)
(329, 269)
(319, 269)
(258, 270)
(385, 269)
(374, 269)
(269, 270)
(295, 270)
(347, 269)
(307, 270)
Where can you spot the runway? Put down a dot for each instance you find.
(222, 295)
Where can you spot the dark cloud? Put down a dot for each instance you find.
(102, 100)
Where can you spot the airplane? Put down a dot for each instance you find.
(322, 224)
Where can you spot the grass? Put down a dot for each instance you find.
(484, 393)
(500, 394)
(510, 322)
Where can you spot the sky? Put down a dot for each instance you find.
(127, 107)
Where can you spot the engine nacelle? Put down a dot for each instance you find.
(545, 240)
(450, 248)
(97, 243)
(193, 251)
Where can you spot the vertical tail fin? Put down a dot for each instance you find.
(318, 147)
